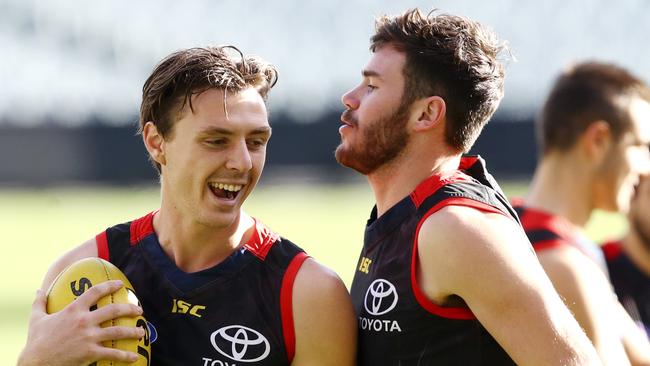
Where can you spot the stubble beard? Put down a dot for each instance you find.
(379, 144)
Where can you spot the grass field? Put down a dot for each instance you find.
(37, 226)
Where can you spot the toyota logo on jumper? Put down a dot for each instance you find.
(240, 343)
(381, 297)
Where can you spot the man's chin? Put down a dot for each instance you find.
(349, 162)
(342, 157)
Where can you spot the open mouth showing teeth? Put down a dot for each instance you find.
(227, 191)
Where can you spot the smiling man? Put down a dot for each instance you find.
(216, 285)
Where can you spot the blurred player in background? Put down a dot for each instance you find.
(446, 275)
(593, 131)
(216, 285)
(628, 259)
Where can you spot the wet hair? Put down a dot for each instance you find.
(190, 72)
(452, 57)
(585, 93)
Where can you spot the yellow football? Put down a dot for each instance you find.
(82, 275)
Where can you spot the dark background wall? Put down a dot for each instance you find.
(98, 153)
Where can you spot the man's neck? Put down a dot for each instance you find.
(560, 187)
(397, 179)
(194, 246)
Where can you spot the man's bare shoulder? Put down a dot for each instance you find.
(324, 318)
(315, 281)
(458, 230)
(486, 259)
(470, 244)
(578, 279)
(572, 268)
(85, 250)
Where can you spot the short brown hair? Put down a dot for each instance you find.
(583, 94)
(192, 71)
(452, 57)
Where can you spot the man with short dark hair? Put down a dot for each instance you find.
(593, 133)
(446, 275)
(260, 298)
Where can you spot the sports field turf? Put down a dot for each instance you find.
(37, 226)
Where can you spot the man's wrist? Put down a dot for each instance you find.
(26, 359)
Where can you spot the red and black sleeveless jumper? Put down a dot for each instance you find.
(398, 324)
(237, 312)
(632, 286)
(546, 231)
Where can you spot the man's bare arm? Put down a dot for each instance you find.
(587, 292)
(73, 335)
(635, 339)
(488, 262)
(324, 320)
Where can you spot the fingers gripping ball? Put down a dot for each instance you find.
(78, 278)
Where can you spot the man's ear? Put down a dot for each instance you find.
(433, 111)
(597, 140)
(154, 142)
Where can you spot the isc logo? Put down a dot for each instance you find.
(364, 265)
(184, 307)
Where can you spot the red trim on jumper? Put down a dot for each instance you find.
(433, 183)
(102, 245)
(261, 240)
(286, 303)
(466, 162)
(534, 219)
(142, 227)
(461, 313)
(612, 249)
(468, 202)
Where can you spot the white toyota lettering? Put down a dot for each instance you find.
(379, 325)
(211, 362)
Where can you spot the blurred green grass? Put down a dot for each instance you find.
(38, 225)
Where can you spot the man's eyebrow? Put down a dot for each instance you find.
(261, 130)
(216, 131)
(225, 131)
(370, 73)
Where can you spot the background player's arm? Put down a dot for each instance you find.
(635, 339)
(487, 261)
(324, 320)
(587, 292)
(73, 335)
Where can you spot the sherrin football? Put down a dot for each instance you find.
(82, 275)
